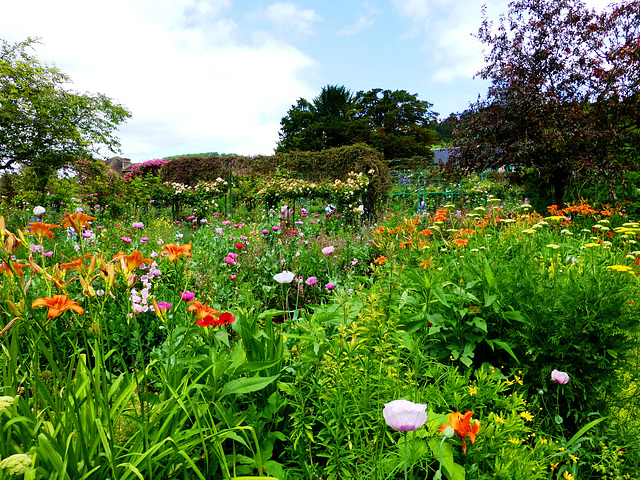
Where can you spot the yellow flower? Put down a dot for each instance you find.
(499, 419)
(554, 465)
(567, 476)
(518, 379)
(473, 390)
(527, 416)
(573, 457)
(515, 441)
(542, 440)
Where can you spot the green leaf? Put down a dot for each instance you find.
(452, 470)
(241, 386)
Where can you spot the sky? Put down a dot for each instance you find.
(218, 75)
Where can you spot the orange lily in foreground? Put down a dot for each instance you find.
(42, 229)
(131, 262)
(57, 304)
(17, 267)
(463, 426)
(205, 314)
(175, 251)
(77, 220)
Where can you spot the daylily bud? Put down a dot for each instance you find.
(448, 432)
(11, 243)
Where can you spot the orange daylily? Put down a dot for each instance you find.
(463, 426)
(76, 263)
(131, 262)
(406, 244)
(17, 267)
(57, 304)
(41, 229)
(461, 242)
(204, 313)
(380, 260)
(174, 251)
(77, 220)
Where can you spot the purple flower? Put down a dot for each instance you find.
(187, 296)
(36, 248)
(265, 231)
(560, 377)
(330, 286)
(47, 254)
(311, 281)
(328, 250)
(275, 228)
(404, 415)
(144, 239)
(138, 225)
(125, 239)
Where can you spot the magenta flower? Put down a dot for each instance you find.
(226, 222)
(404, 415)
(311, 281)
(560, 377)
(125, 239)
(330, 286)
(275, 228)
(164, 307)
(47, 254)
(191, 217)
(36, 248)
(265, 231)
(144, 239)
(328, 250)
(187, 295)
(138, 225)
(232, 277)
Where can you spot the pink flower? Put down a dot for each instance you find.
(125, 239)
(275, 228)
(559, 377)
(233, 277)
(328, 250)
(164, 307)
(330, 286)
(191, 217)
(47, 254)
(187, 296)
(293, 232)
(265, 231)
(138, 225)
(226, 222)
(311, 281)
(144, 239)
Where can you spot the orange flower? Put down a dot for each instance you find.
(174, 251)
(425, 232)
(131, 262)
(426, 264)
(17, 267)
(205, 315)
(380, 230)
(77, 220)
(461, 242)
(57, 304)
(405, 244)
(463, 426)
(41, 229)
(381, 260)
(76, 263)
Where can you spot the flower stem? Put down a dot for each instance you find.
(405, 455)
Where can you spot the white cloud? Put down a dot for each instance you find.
(288, 15)
(191, 86)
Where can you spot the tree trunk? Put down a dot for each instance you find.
(559, 185)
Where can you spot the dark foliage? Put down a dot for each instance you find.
(564, 96)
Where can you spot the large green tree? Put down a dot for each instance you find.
(563, 100)
(44, 124)
(394, 122)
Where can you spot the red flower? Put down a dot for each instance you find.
(239, 246)
(226, 317)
